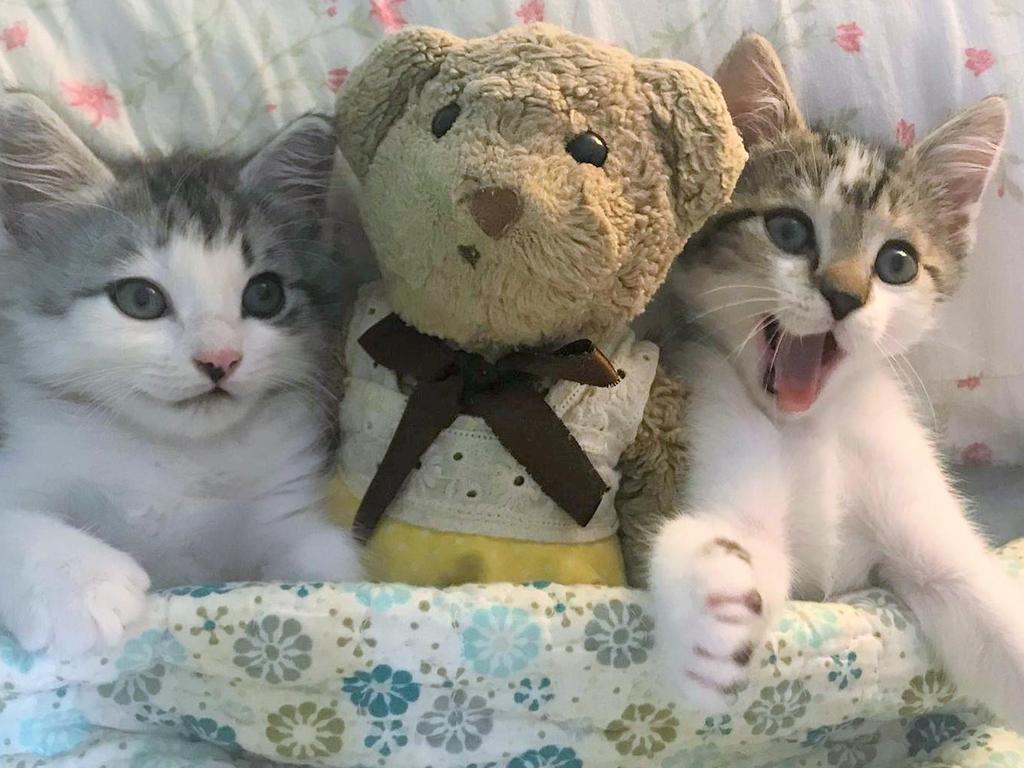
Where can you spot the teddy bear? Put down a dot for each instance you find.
(524, 195)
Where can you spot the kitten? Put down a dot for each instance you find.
(165, 332)
(810, 474)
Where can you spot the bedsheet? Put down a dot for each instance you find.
(225, 73)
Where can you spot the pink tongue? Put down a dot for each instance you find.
(798, 371)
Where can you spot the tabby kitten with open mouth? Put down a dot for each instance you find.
(810, 473)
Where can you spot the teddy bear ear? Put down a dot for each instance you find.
(376, 92)
(702, 149)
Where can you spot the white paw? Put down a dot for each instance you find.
(710, 615)
(328, 553)
(73, 595)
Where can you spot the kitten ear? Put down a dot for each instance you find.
(961, 154)
(41, 159)
(757, 91)
(294, 167)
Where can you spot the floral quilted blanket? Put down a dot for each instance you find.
(532, 676)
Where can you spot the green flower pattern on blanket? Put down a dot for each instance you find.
(538, 676)
(305, 731)
(643, 730)
(778, 708)
(211, 624)
(925, 692)
(274, 650)
(356, 637)
(854, 753)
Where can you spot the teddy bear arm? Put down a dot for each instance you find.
(650, 471)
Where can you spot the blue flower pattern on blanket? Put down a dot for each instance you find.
(54, 733)
(381, 597)
(549, 756)
(151, 647)
(500, 641)
(382, 691)
(12, 654)
(539, 676)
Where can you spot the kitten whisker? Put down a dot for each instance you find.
(730, 305)
(737, 286)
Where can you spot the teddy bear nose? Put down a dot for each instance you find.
(495, 209)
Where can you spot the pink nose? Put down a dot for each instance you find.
(218, 364)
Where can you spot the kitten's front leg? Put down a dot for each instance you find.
(716, 587)
(308, 547)
(931, 556)
(63, 590)
(719, 571)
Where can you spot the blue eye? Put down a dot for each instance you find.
(139, 299)
(263, 297)
(896, 263)
(790, 231)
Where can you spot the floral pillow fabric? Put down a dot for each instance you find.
(507, 677)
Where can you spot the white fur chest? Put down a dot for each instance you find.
(830, 463)
(180, 507)
(817, 501)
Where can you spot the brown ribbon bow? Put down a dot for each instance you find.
(450, 382)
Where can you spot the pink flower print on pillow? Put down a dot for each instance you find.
(969, 382)
(15, 35)
(336, 78)
(905, 133)
(848, 36)
(532, 10)
(979, 60)
(92, 98)
(386, 12)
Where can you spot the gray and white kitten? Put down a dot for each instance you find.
(166, 332)
(810, 474)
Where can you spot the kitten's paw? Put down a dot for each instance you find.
(328, 553)
(74, 597)
(710, 614)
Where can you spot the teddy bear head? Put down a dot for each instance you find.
(530, 187)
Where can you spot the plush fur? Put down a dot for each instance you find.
(592, 244)
(492, 235)
(812, 496)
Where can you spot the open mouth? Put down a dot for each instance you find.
(797, 367)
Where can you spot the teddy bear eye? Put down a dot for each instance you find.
(588, 148)
(444, 119)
